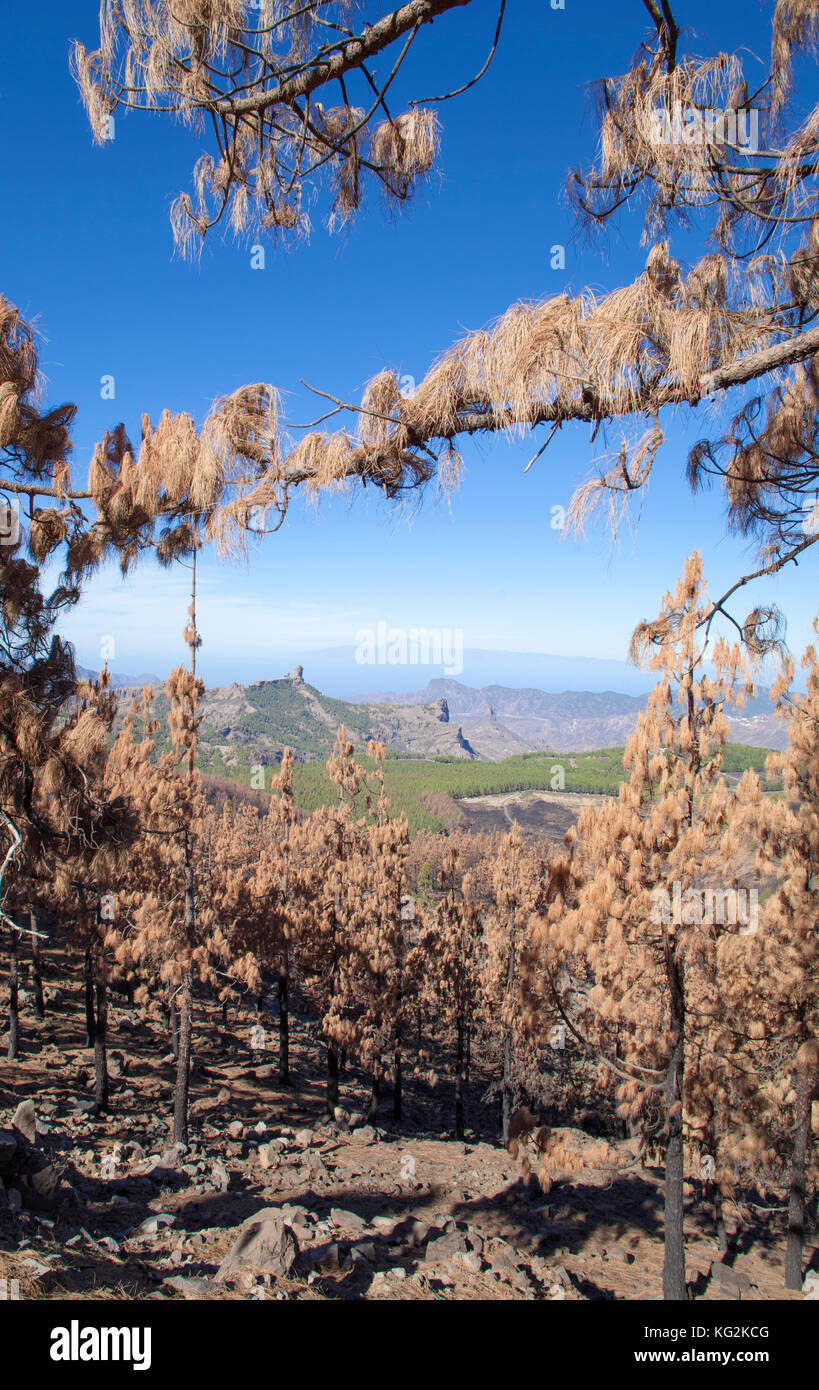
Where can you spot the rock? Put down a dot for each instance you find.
(444, 1247)
(157, 1222)
(620, 1256)
(264, 1245)
(235, 1129)
(365, 1134)
(730, 1280)
(190, 1288)
(810, 1288)
(303, 1139)
(25, 1120)
(269, 1156)
(219, 1176)
(347, 1220)
(117, 1065)
(502, 1256)
(469, 1260)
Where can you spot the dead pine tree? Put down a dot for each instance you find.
(653, 971)
(517, 886)
(774, 1006)
(456, 953)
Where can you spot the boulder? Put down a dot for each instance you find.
(264, 1245)
(25, 1120)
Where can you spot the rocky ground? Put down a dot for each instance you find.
(269, 1200)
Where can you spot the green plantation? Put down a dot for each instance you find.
(411, 782)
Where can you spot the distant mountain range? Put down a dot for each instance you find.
(119, 680)
(247, 724)
(497, 717)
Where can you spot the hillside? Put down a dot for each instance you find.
(243, 725)
(568, 721)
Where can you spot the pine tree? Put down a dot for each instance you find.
(653, 968)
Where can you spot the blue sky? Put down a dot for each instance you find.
(87, 252)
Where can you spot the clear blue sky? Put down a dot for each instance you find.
(86, 250)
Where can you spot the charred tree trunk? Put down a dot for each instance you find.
(805, 1086)
(674, 1244)
(183, 1065)
(173, 1028)
(88, 990)
(14, 997)
(375, 1095)
(398, 1085)
(506, 1080)
(332, 1078)
(101, 1041)
(460, 1078)
(284, 1019)
(36, 968)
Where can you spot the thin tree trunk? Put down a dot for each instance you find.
(460, 1079)
(14, 1001)
(88, 990)
(674, 1244)
(36, 967)
(284, 1018)
(100, 1041)
(798, 1184)
(719, 1220)
(173, 1028)
(183, 1065)
(398, 1086)
(332, 1078)
(375, 1095)
(506, 1080)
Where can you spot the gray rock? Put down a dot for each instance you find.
(190, 1288)
(444, 1247)
(264, 1245)
(219, 1176)
(347, 1220)
(731, 1281)
(152, 1224)
(25, 1120)
(365, 1134)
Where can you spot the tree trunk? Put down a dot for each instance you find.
(798, 1183)
(506, 1080)
(173, 1028)
(375, 1094)
(14, 1002)
(36, 968)
(88, 984)
(719, 1220)
(674, 1245)
(332, 1078)
(284, 1019)
(183, 1065)
(100, 1041)
(398, 1085)
(460, 1079)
